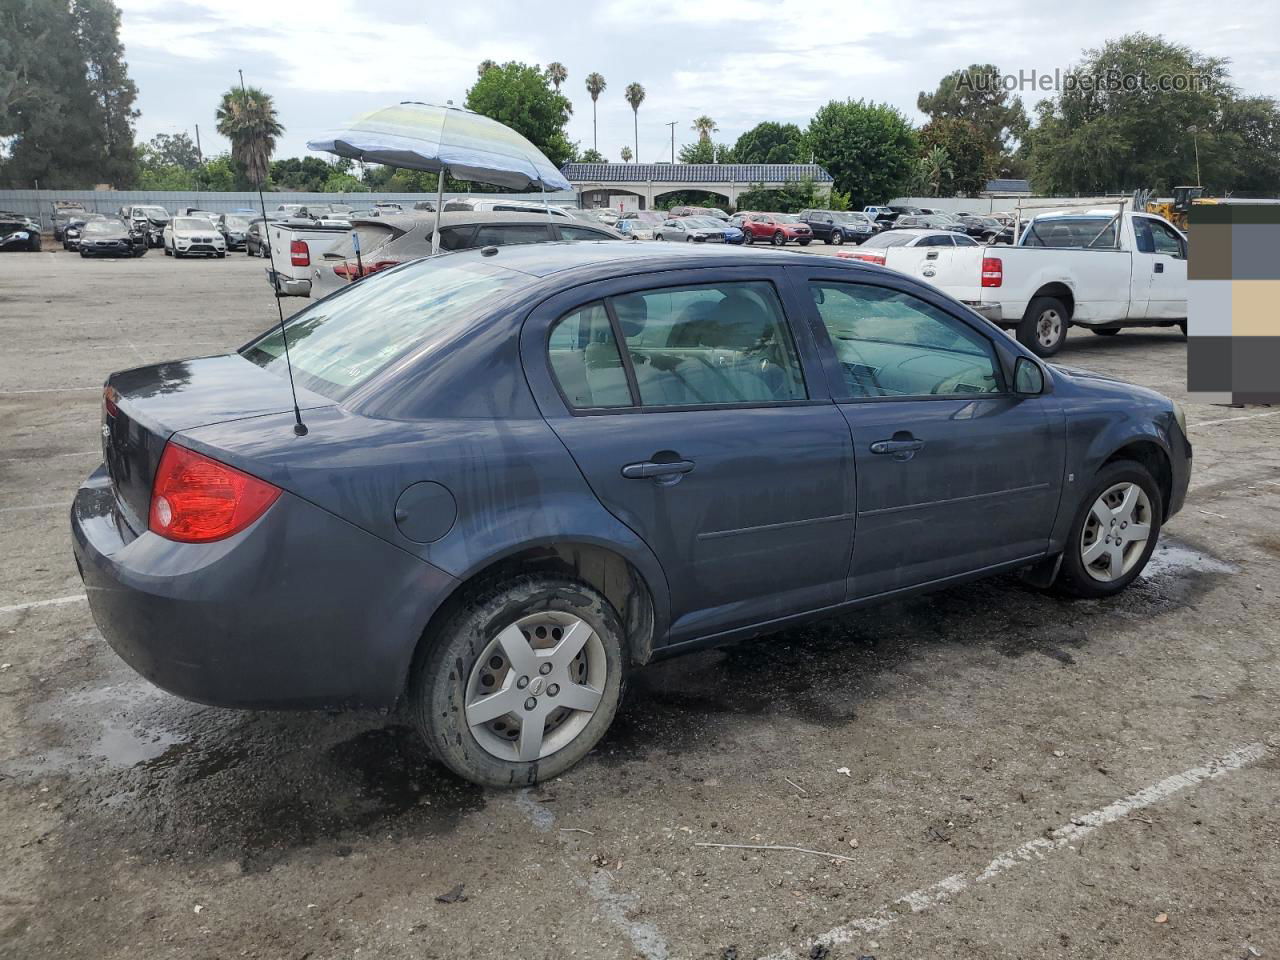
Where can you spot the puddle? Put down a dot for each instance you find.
(1171, 559)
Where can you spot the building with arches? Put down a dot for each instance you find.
(643, 185)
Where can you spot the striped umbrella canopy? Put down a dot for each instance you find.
(422, 136)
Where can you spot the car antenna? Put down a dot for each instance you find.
(299, 427)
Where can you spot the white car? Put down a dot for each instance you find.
(490, 205)
(185, 236)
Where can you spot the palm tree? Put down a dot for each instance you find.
(485, 67)
(595, 87)
(936, 167)
(557, 74)
(247, 118)
(704, 127)
(627, 154)
(635, 97)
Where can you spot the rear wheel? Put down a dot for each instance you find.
(1043, 328)
(521, 681)
(1105, 331)
(1114, 531)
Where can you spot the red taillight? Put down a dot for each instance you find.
(195, 499)
(992, 271)
(110, 400)
(299, 253)
(876, 258)
(349, 271)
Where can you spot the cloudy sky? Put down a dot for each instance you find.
(739, 61)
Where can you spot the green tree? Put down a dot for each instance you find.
(1096, 139)
(98, 30)
(791, 198)
(595, 87)
(305, 174)
(970, 164)
(626, 154)
(635, 97)
(701, 151)
(557, 74)
(869, 148)
(976, 96)
(704, 127)
(520, 96)
(592, 156)
(485, 66)
(247, 117)
(175, 149)
(771, 142)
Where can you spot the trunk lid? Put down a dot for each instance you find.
(142, 408)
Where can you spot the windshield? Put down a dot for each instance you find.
(239, 223)
(155, 213)
(851, 217)
(340, 342)
(192, 223)
(101, 226)
(891, 239)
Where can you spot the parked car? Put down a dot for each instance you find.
(234, 227)
(255, 236)
(597, 215)
(698, 230)
(927, 221)
(63, 210)
(837, 226)
(149, 218)
(72, 229)
(390, 241)
(293, 242)
(388, 206)
(881, 215)
(454, 538)
(196, 212)
(637, 229)
(686, 211)
(188, 236)
(647, 216)
(776, 228)
(1094, 269)
(491, 205)
(875, 249)
(112, 237)
(18, 232)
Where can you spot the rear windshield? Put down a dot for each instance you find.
(890, 239)
(1071, 232)
(342, 341)
(372, 236)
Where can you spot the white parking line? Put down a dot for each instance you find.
(56, 601)
(1076, 830)
(18, 393)
(1252, 416)
(50, 456)
(34, 506)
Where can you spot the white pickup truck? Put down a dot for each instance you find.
(294, 244)
(1068, 268)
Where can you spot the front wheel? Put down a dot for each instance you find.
(779, 238)
(1043, 328)
(521, 682)
(1114, 532)
(803, 243)
(748, 237)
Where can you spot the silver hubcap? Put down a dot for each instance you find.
(536, 686)
(1116, 532)
(1049, 328)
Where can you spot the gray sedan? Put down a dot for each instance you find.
(514, 475)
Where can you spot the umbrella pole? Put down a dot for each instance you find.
(435, 234)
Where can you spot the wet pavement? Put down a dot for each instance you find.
(915, 742)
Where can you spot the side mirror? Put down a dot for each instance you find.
(1028, 378)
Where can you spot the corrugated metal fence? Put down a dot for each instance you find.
(39, 203)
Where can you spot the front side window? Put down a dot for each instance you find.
(891, 344)
(1166, 240)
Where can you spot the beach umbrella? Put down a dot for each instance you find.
(444, 140)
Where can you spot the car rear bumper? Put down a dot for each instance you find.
(989, 311)
(300, 610)
(288, 287)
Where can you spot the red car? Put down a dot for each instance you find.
(777, 228)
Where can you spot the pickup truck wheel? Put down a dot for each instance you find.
(521, 682)
(1043, 329)
(1114, 532)
(1105, 331)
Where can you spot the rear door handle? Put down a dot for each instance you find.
(649, 468)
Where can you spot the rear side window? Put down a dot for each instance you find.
(960, 240)
(582, 233)
(585, 359)
(502, 234)
(935, 241)
(725, 343)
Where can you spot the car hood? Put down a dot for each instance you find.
(1091, 382)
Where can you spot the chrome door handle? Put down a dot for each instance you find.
(902, 448)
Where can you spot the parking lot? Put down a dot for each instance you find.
(985, 772)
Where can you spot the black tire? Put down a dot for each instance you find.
(837, 237)
(803, 243)
(1104, 331)
(222, 256)
(1044, 308)
(779, 238)
(83, 254)
(748, 237)
(442, 671)
(1182, 325)
(1073, 579)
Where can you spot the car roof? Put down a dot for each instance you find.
(923, 232)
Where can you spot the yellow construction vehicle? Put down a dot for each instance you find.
(1175, 210)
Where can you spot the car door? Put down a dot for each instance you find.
(1167, 293)
(955, 474)
(710, 434)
